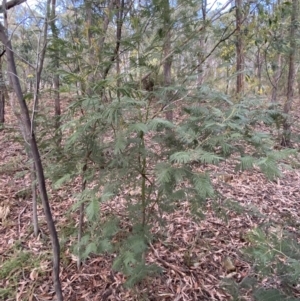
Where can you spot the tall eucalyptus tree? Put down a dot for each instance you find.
(2, 90)
(286, 138)
(56, 65)
(239, 49)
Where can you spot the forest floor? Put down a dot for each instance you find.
(197, 256)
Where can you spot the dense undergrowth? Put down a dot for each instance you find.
(127, 149)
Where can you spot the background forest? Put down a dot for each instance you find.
(150, 150)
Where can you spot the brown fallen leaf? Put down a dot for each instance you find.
(4, 211)
(228, 265)
(34, 274)
(225, 178)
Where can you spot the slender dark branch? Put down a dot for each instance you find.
(219, 42)
(273, 84)
(214, 48)
(24, 61)
(267, 70)
(119, 35)
(11, 4)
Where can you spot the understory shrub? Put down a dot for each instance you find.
(274, 255)
(126, 151)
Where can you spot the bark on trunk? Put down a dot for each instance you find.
(201, 64)
(2, 94)
(2, 107)
(118, 41)
(57, 111)
(239, 50)
(167, 51)
(40, 59)
(286, 138)
(118, 37)
(35, 220)
(259, 69)
(276, 78)
(29, 138)
(88, 20)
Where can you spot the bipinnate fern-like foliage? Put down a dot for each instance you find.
(127, 155)
(275, 255)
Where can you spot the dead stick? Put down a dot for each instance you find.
(19, 220)
(169, 265)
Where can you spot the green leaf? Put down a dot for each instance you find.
(106, 195)
(163, 173)
(271, 295)
(206, 157)
(203, 186)
(138, 127)
(120, 143)
(159, 123)
(246, 162)
(139, 272)
(269, 167)
(62, 180)
(181, 157)
(110, 227)
(92, 210)
(90, 248)
(105, 245)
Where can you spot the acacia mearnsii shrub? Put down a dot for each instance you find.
(126, 150)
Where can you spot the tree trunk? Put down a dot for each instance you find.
(2, 107)
(276, 78)
(57, 111)
(41, 51)
(29, 138)
(286, 137)
(277, 67)
(227, 79)
(259, 69)
(81, 214)
(2, 94)
(239, 49)
(106, 20)
(166, 51)
(39, 68)
(35, 220)
(91, 56)
(120, 5)
(201, 64)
